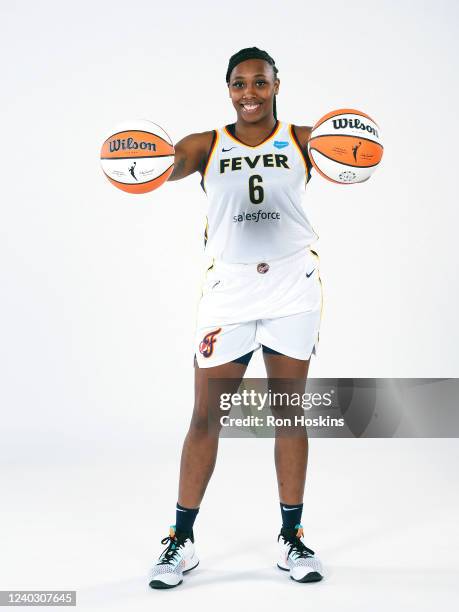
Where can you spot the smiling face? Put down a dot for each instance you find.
(252, 87)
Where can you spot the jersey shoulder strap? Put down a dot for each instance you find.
(210, 153)
(303, 150)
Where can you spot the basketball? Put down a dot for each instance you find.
(345, 146)
(138, 156)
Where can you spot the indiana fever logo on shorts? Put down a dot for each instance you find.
(206, 346)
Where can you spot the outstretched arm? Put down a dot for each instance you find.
(303, 133)
(190, 154)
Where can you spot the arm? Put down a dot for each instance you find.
(191, 154)
(303, 133)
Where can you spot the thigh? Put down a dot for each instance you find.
(209, 384)
(294, 337)
(282, 366)
(287, 378)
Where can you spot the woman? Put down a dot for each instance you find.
(262, 289)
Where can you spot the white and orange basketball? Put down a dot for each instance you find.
(345, 146)
(138, 156)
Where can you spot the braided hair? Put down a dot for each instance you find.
(252, 53)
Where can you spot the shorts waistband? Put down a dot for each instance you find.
(265, 266)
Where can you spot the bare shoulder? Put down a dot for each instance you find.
(303, 133)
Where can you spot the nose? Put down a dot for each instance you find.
(249, 92)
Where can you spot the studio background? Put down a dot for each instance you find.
(100, 289)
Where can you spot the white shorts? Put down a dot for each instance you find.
(276, 303)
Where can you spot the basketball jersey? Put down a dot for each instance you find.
(255, 196)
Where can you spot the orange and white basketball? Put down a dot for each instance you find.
(345, 146)
(138, 156)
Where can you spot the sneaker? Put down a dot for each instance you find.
(297, 558)
(177, 559)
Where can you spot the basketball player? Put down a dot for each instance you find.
(262, 290)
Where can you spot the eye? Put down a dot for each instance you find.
(238, 84)
(261, 82)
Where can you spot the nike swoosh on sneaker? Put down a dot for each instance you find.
(226, 150)
(308, 275)
(283, 507)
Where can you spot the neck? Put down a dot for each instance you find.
(254, 132)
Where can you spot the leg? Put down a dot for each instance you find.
(201, 443)
(291, 451)
(291, 454)
(197, 464)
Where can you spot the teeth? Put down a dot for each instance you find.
(251, 106)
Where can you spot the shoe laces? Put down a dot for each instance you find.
(296, 545)
(171, 551)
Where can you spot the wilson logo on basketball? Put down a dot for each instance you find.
(126, 144)
(206, 346)
(355, 124)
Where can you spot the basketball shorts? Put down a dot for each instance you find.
(275, 303)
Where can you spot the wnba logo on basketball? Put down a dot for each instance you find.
(354, 124)
(130, 143)
(206, 346)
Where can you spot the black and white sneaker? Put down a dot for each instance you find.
(177, 559)
(296, 558)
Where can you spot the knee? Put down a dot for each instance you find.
(202, 424)
(199, 424)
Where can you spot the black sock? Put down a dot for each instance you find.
(185, 518)
(291, 515)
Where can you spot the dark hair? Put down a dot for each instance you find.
(252, 53)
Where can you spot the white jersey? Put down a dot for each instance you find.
(255, 197)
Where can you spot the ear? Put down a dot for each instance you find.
(276, 86)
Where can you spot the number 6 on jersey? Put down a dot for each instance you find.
(256, 192)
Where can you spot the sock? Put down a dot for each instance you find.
(185, 518)
(291, 515)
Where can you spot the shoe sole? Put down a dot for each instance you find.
(311, 577)
(158, 584)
